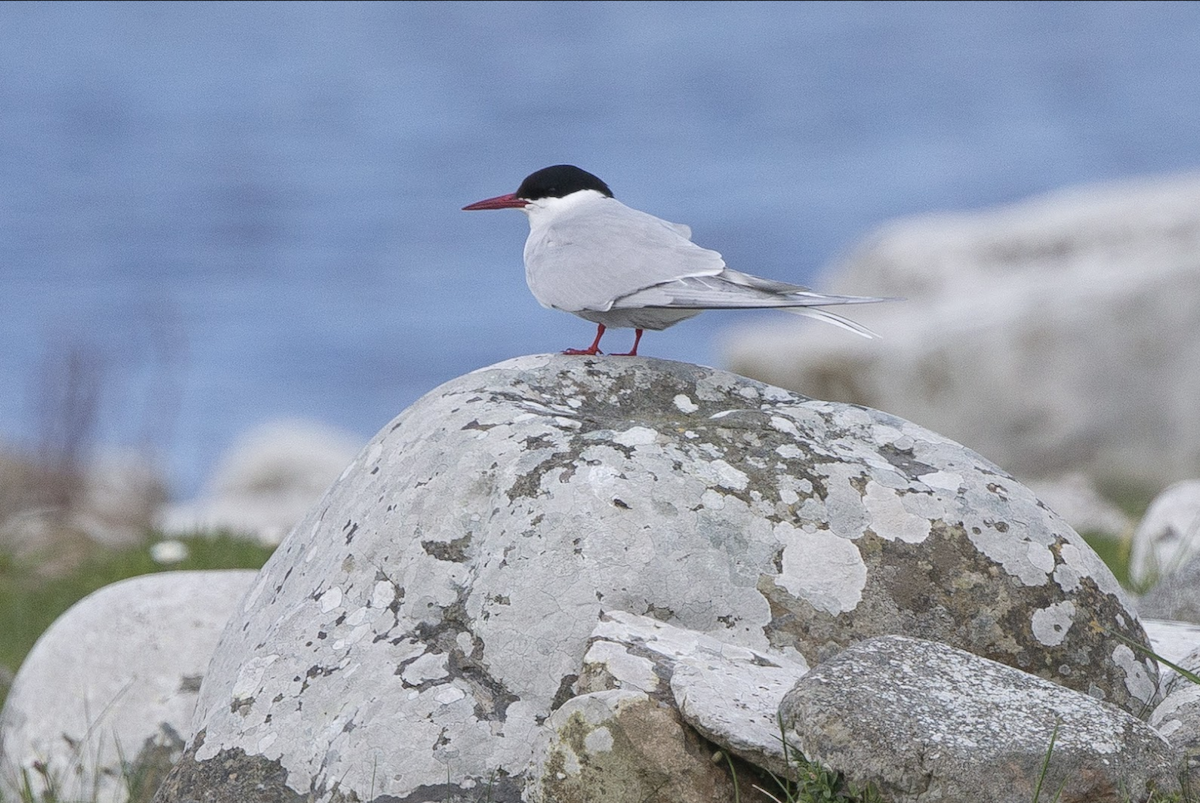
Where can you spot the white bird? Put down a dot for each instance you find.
(593, 256)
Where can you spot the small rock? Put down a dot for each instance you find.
(112, 501)
(621, 746)
(925, 722)
(730, 694)
(1174, 642)
(109, 689)
(1168, 536)
(168, 552)
(122, 495)
(267, 482)
(1176, 597)
(1177, 718)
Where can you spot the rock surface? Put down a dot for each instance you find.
(267, 482)
(925, 722)
(433, 610)
(619, 746)
(113, 682)
(729, 694)
(1177, 717)
(1057, 334)
(1176, 597)
(1168, 537)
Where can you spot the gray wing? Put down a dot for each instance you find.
(602, 250)
(733, 289)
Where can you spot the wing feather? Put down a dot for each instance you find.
(715, 292)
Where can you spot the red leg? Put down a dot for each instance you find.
(595, 347)
(637, 338)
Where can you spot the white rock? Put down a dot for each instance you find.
(113, 502)
(1058, 334)
(1177, 717)
(728, 693)
(114, 680)
(1168, 535)
(267, 482)
(512, 507)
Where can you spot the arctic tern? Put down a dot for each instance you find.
(590, 255)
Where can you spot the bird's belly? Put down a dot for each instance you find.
(654, 318)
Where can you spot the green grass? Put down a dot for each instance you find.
(1115, 554)
(30, 601)
(1133, 501)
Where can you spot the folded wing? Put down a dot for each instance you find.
(601, 251)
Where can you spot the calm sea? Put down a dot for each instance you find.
(231, 213)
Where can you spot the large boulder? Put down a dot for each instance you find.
(414, 634)
(103, 703)
(1057, 334)
(925, 723)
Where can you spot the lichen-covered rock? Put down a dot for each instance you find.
(729, 694)
(619, 746)
(107, 693)
(1165, 541)
(433, 610)
(925, 722)
(1177, 717)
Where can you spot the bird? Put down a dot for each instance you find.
(593, 256)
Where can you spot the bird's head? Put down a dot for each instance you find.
(557, 181)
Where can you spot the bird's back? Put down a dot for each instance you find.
(583, 253)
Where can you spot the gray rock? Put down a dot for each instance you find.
(1177, 717)
(729, 694)
(1061, 333)
(1167, 540)
(440, 598)
(109, 689)
(1176, 597)
(1174, 642)
(621, 746)
(926, 722)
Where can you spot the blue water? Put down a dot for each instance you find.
(239, 212)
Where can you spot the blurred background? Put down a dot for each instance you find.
(218, 215)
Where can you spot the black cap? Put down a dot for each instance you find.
(559, 181)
